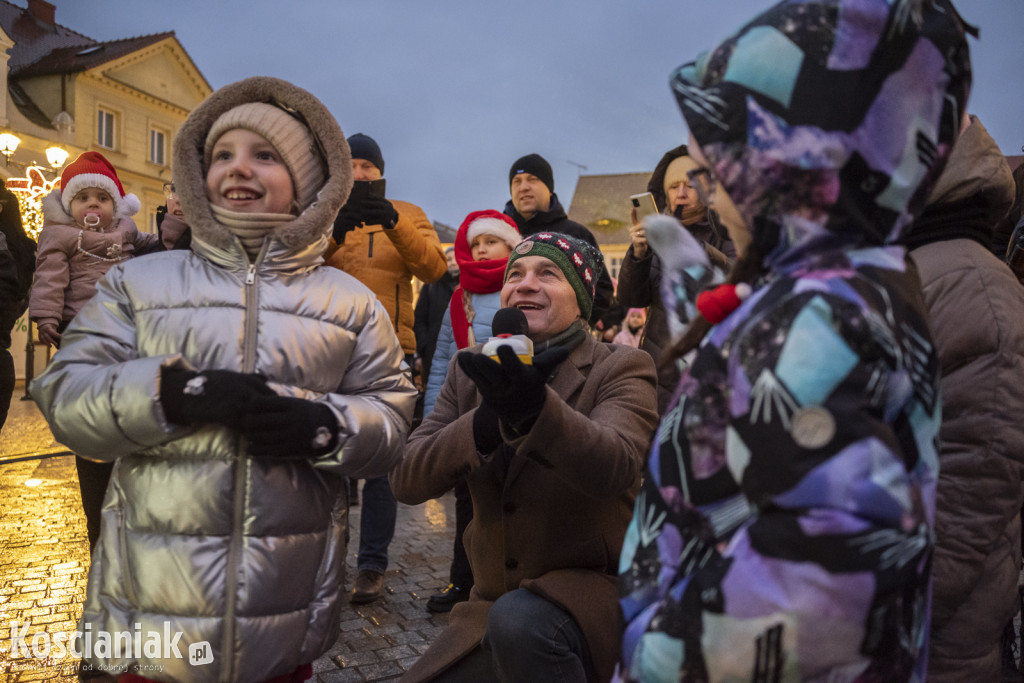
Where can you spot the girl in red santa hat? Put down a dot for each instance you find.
(482, 247)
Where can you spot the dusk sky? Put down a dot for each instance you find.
(455, 90)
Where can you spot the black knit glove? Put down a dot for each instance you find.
(286, 427)
(515, 391)
(379, 211)
(346, 222)
(211, 396)
(486, 431)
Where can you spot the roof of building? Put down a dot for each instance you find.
(77, 58)
(34, 38)
(42, 47)
(445, 233)
(27, 107)
(601, 202)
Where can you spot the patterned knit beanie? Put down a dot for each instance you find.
(289, 136)
(92, 169)
(580, 262)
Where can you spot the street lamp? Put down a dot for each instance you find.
(8, 143)
(56, 156)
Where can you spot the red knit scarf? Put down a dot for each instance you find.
(476, 277)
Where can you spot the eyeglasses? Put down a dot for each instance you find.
(169, 192)
(703, 180)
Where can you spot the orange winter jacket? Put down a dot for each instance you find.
(387, 260)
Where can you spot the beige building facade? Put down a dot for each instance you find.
(125, 99)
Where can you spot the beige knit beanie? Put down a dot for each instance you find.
(289, 136)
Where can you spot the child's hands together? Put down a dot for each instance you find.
(211, 396)
(275, 426)
(287, 427)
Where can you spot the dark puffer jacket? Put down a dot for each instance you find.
(555, 220)
(977, 320)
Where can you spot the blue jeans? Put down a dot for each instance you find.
(532, 639)
(376, 525)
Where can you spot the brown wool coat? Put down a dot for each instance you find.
(387, 260)
(555, 523)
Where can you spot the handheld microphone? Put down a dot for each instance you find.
(509, 328)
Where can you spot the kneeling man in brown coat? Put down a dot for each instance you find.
(552, 453)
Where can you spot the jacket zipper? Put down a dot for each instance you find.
(241, 466)
(369, 252)
(398, 304)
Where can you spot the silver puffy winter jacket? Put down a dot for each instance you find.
(243, 556)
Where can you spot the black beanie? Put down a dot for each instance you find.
(365, 147)
(536, 165)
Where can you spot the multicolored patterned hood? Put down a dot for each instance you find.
(828, 121)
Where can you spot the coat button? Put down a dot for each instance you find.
(511, 563)
(509, 507)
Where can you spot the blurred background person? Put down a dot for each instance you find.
(633, 328)
(640, 272)
(17, 263)
(383, 243)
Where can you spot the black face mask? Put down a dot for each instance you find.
(689, 216)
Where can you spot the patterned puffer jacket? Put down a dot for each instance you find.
(784, 531)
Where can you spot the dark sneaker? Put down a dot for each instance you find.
(368, 587)
(446, 599)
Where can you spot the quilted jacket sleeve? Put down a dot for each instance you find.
(375, 403)
(46, 300)
(99, 396)
(416, 241)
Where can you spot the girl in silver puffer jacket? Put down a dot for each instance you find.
(234, 385)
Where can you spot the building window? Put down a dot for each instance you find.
(157, 146)
(615, 267)
(105, 129)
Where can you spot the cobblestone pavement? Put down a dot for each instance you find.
(44, 563)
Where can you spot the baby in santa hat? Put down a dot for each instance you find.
(87, 229)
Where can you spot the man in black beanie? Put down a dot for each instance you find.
(534, 207)
(383, 243)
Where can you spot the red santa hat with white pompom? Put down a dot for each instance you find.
(92, 169)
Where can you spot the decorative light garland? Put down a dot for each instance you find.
(30, 192)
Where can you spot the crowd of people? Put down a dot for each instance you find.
(780, 447)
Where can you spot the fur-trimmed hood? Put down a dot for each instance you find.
(53, 210)
(315, 223)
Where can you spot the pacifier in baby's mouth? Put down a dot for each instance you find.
(92, 219)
